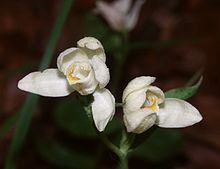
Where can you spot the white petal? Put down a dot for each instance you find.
(92, 46)
(139, 121)
(177, 113)
(114, 17)
(135, 100)
(103, 108)
(101, 71)
(158, 92)
(137, 84)
(50, 82)
(122, 5)
(87, 85)
(132, 17)
(69, 56)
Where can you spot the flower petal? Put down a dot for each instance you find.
(68, 57)
(132, 17)
(158, 92)
(86, 85)
(122, 5)
(50, 82)
(92, 46)
(137, 84)
(135, 100)
(113, 16)
(177, 113)
(139, 121)
(103, 108)
(101, 71)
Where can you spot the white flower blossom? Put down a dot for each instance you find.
(82, 69)
(146, 105)
(120, 14)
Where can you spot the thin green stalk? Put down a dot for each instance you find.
(124, 146)
(123, 163)
(120, 58)
(110, 145)
(31, 101)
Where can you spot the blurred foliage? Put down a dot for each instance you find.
(71, 116)
(20, 69)
(95, 26)
(184, 92)
(26, 111)
(62, 156)
(8, 123)
(161, 145)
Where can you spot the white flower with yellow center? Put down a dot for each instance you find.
(82, 69)
(146, 105)
(120, 14)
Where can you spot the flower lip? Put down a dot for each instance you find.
(77, 72)
(152, 104)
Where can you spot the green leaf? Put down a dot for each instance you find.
(161, 145)
(184, 92)
(66, 157)
(71, 116)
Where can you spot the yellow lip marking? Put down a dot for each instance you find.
(70, 72)
(153, 106)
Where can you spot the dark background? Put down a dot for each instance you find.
(191, 26)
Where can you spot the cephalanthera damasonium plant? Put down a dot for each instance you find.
(83, 69)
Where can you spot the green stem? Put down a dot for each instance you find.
(120, 58)
(123, 163)
(31, 101)
(125, 144)
(109, 144)
(119, 104)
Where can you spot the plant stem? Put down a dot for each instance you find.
(123, 163)
(31, 101)
(120, 58)
(109, 144)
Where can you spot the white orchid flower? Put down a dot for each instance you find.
(146, 105)
(120, 14)
(82, 69)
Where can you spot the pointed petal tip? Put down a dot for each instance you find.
(178, 113)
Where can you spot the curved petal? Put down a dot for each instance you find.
(113, 16)
(69, 56)
(177, 113)
(87, 85)
(132, 17)
(122, 5)
(103, 108)
(139, 121)
(158, 92)
(101, 71)
(50, 82)
(92, 46)
(137, 84)
(135, 100)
